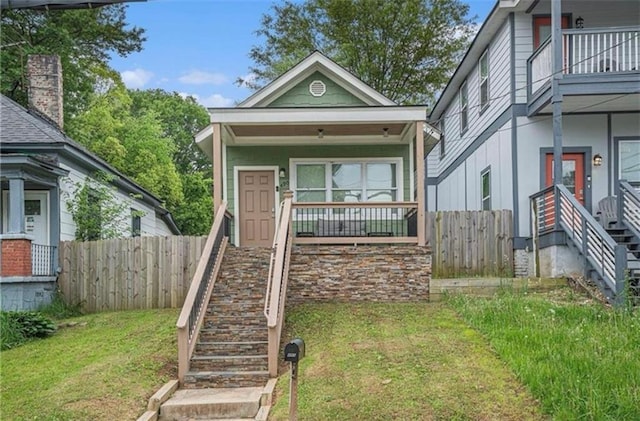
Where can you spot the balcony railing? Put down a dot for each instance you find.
(43, 260)
(587, 51)
(348, 223)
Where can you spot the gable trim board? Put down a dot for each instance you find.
(236, 191)
(315, 61)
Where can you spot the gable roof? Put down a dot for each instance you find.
(23, 130)
(316, 62)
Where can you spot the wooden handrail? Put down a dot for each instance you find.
(187, 333)
(277, 283)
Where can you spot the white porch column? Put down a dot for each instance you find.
(217, 166)
(16, 206)
(420, 175)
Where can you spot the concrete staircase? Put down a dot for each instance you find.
(229, 367)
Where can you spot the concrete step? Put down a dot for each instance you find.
(229, 363)
(232, 348)
(225, 379)
(207, 404)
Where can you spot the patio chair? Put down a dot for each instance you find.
(607, 211)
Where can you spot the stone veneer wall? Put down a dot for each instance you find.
(338, 273)
(521, 263)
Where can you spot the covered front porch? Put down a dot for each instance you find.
(356, 174)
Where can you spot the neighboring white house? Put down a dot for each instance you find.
(497, 124)
(40, 168)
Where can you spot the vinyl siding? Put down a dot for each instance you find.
(148, 224)
(523, 50)
(499, 92)
(299, 95)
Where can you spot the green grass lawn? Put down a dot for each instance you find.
(398, 362)
(105, 369)
(581, 360)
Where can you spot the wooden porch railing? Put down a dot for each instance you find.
(277, 283)
(357, 223)
(587, 51)
(606, 257)
(629, 207)
(195, 304)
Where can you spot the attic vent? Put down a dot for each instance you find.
(317, 88)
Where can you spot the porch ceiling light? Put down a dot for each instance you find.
(579, 22)
(385, 132)
(320, 133)
(597, 160)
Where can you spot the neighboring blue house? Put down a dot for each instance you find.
(499, 131)
(39, 169)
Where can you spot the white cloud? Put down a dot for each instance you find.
(137, 78)
(215, 100)
(198, 77)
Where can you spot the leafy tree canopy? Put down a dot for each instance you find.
(83, 39)
(405, 49)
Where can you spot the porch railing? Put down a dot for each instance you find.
(587, 51)
(277, 283)
(43, 260)
(350, 223)
(606, 257)
(197, 299)
(629, 208)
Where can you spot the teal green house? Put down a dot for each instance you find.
(352, 159)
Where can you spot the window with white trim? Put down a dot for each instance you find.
(464, 108)
(483, 70)
(485, 188)
(347, 181)
(629, 161)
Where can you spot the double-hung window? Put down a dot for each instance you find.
(347, 181)
(483, 70)
(464, 108)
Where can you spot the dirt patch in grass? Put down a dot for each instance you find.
(398, 361)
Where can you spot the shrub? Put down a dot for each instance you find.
(20, 326)
(59, 308)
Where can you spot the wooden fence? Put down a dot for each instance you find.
(471, 243)
(129, 273)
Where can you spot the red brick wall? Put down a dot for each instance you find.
(16, 257)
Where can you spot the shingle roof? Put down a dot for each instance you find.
(18, 125)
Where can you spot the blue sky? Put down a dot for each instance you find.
(200, 47)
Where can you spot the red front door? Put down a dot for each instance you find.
(572, 173)
(542, 28)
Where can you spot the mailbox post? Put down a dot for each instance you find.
(294, 352)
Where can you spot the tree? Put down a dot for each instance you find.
(405, 49)
(181, 119)
(83, 39)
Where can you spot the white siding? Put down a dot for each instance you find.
(523, 49)
(148, 223)
(431, 198)
(578, 131)
(499, 93)
(161, 228)
(461, 189)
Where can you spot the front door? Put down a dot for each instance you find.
(257, 207)
(542, 28)
(572, 173)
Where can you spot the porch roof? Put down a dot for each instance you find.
(337, 125)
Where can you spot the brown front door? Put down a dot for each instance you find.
(572, 173)
(257, 207)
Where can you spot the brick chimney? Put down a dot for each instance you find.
(44, 76)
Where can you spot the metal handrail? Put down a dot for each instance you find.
(195, 304)
(629, 207)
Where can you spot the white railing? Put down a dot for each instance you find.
(195, 304)
(276, 294)
(603, 50)
(587, 51)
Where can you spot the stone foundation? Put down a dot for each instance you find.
(372, 273)
(558, 261)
